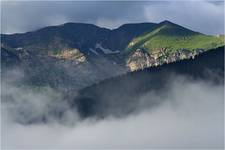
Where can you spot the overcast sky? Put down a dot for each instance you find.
(203, 16)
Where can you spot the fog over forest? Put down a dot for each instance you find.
(112, 74)
(191, 115)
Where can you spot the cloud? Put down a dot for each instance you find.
(203, 16)
(22, 16)
(206, 17)
(190, 117)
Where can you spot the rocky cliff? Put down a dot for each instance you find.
(140, 59)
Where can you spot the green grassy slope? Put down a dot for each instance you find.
(173, 37)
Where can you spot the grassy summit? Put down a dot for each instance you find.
(171, 37)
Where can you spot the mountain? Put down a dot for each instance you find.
(165, 37)
(64, 71)
(77, 55)
(170, 37)
(101, 72)
(121, 96)
(167, 43)
(77, 35)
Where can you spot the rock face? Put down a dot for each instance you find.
(70, 54)
(140, 59)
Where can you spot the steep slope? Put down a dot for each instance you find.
(76, 55)
(9, 58)
(169, 42)
(121, 95)
(121, 36)
(171, 37)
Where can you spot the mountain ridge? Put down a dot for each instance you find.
(81, 23)
(88, 53)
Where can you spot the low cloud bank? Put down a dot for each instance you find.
(192, 116)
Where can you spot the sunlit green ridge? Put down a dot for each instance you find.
(173, 37)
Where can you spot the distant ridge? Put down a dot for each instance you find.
(75, 55)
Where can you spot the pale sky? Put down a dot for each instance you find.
(22, 16)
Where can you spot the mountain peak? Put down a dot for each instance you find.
(166, 22)
(75, 24)
(171, 29)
